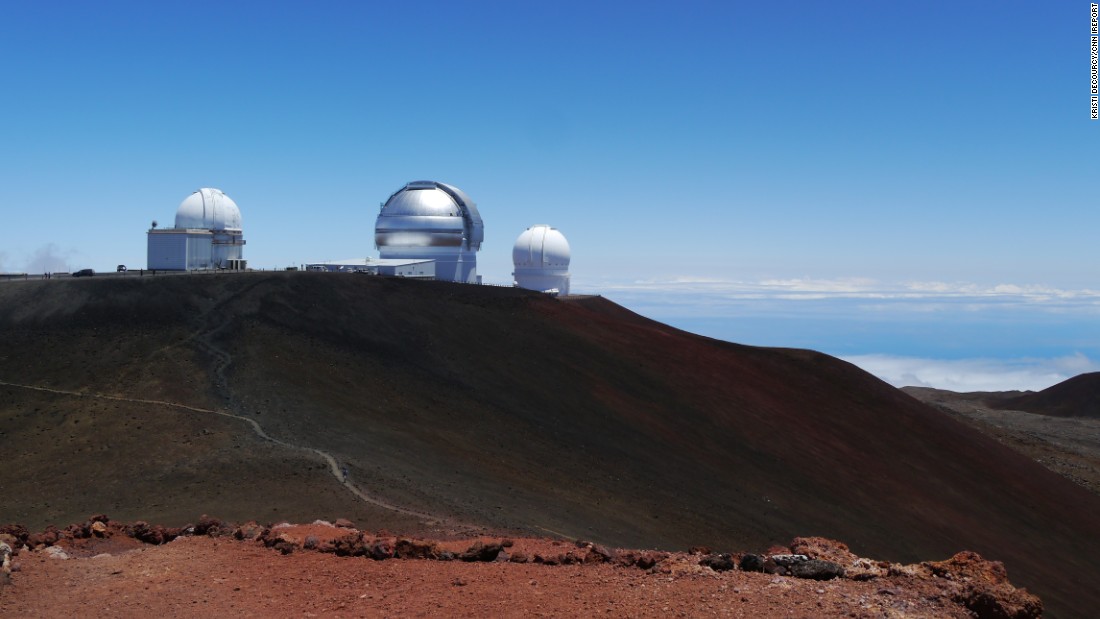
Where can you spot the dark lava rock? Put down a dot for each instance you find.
(599, 554)
(752, 563)
(351, 545)
(381, 549)
(816, 569)
(648, 560)
(209, 525)
(481, 552)
(718, 562)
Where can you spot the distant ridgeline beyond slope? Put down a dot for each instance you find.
(500, 408)
(1077, 397)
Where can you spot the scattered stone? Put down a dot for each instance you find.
(700, 550)
(415, 549)
(381, 549)
(599, 554)
(209, 525)
(344, 523)
(752, 563)
(481, 552)
(718, 562)
(99, 529)
(56, 552)
(816, 569)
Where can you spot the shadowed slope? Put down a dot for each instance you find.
(1077, 397)
(509, 409)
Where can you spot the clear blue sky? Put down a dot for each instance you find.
(921, 154)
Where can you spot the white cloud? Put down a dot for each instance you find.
(693, 293)
(975, 374)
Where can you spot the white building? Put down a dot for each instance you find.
(541, 260)
(427, 220)
(411, 268)
(207, 235)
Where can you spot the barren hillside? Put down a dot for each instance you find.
(460, 409)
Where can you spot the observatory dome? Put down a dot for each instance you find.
(541, 247)
(432, 221)
(541, 260)
(208, 209)
(429, 214)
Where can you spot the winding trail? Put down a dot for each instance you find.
(334, 467)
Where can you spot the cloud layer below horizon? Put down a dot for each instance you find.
(951, 335)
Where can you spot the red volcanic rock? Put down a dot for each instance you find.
(569, 583)
(406, 548)
(382, 549)
(822, 548)
(344, 523)
(983, 587)
(249, 530)
(208, 525)
(481, 552)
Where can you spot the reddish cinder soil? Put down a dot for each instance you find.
(111, 574)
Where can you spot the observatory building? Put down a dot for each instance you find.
(207, 235)
(427, 220)
(541, 259)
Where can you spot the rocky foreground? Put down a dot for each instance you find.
(105, 568)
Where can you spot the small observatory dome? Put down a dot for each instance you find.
(208, 209)
(432, 220)
(541, 260)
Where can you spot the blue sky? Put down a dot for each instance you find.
(894, 183)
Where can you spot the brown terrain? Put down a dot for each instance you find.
(1058, 427)
(465, 412)
(105, 568)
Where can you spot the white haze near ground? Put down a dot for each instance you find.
(965, 375)
(959, 336)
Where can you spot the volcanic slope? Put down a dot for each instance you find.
(1077, 397)
(498, 408)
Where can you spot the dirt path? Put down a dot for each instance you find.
(334, 467)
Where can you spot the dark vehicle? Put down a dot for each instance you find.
(84, 273)
(121, 268)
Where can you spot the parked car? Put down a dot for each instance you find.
(84, 273)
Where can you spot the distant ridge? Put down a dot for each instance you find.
(1076, 397)
(496, 408)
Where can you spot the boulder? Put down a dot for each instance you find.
(381, 549)
(718, 562)
(415, 549)
(481, 552)
(816, 569)
(752, 563)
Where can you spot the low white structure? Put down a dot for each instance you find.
(413, 268)
(428, 220)
(541, 260)
(207, 235)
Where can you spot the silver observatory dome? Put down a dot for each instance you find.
(432, 220)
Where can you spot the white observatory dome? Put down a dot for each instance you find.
(432, 220)
(541, 260)
(208, 209)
